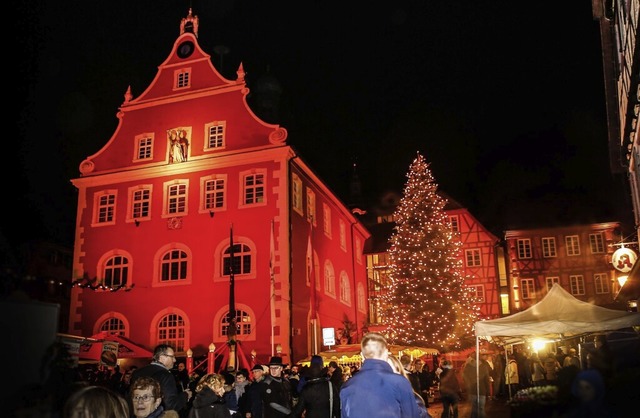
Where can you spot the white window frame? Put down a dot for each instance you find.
(576, 283)
(572, 243)
(473, 257)
(549, 248)
(527, 289)
(524, 248)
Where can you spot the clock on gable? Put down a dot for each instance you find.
(185, 49)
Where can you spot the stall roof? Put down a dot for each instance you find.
(559, 315)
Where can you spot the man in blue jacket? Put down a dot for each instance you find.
(376, 391)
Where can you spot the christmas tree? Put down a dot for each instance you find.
(427, 303)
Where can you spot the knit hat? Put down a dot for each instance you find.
(316, 359)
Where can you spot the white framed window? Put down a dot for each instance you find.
(215, 135)
(242, 260)
(253, 188)
(576, 282)
(139, 208)
(550, 281)
(296, 194)
(527, 289)
(311, 206)
(213, 191)
(345, 288)
(326, 220)
(144, 147)
(454, 222)
(172, 330)
(176, 198)
(115, 269)
(473, 258)
(524, 248)
(329, 279)
(113, 325)
(343, 235)
(104, 204)
(573, 245)
(244, 323)
(596, 243)
(362, 300)
(601, 283)
(549, 247)
(477, 293)
(182, 78)
(358, 250)
(172, 265)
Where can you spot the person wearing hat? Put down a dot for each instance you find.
(251, 405)
(276, 392)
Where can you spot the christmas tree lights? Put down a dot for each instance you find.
(427, 302)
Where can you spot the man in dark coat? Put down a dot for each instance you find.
(159, 369)
(319, 397)
(276, 392)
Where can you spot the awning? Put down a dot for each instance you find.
(92, 348)
(350, 353)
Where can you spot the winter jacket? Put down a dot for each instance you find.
(377, 392)
(207, 404)
(314, 399)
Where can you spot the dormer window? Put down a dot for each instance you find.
(183, 78)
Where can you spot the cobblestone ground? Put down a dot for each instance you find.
(495, 409)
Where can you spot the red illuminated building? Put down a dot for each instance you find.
(190, 170)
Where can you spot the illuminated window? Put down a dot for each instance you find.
(362, 300)
(144, 147)
(345, 288)
(596, 242)
(326, 219)
(329, 279)
(576, 281)
(215, 136)
(477, 293)
(311, 206)
(473, 257)
(454, 222)
(105, 207)
(244, 323)
(573, 245)
(253, 186)
(550, 281)
(175, 197)
(213, 189)
(527, 289)
(171, 330)
(524, 248)
(139, 203)
(549, 247)
(296, 193)
(601, 283)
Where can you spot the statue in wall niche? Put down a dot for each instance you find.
(178, 145)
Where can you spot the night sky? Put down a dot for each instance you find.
(505, 100)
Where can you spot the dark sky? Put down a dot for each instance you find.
(505, 100)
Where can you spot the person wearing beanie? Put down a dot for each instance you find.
(588, 389)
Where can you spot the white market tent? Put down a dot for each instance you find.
(557, 316)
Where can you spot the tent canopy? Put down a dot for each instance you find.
(558, 315)
(91, 348)
(350, 353)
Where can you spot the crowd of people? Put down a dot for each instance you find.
(382, 386)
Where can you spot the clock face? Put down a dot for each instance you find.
(185, 49)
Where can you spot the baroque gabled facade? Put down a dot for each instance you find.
(190, 183)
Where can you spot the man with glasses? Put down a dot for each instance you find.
(276, 392)
(164, 359)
